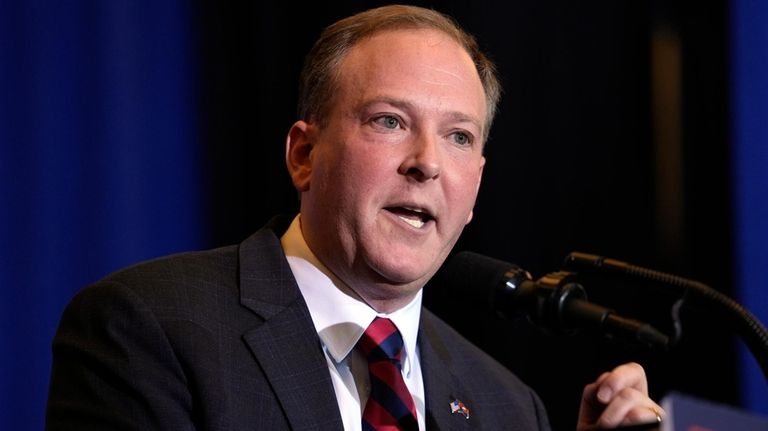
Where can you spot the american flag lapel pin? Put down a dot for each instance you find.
(459, 407)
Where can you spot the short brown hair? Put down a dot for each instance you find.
(318, 79)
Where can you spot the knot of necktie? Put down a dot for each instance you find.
(382, 342)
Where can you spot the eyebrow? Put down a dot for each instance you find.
(405, 105)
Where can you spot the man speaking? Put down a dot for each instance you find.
(316, 323)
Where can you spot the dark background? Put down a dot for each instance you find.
(131, 129)
(572, 164)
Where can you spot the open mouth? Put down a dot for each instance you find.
(416, 217)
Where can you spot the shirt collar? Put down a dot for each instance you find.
(339, 315)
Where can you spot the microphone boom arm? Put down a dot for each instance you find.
(746, 325)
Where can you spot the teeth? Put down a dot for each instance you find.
(417, 223)
(416, 210)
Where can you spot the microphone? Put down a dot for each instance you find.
(555, 302)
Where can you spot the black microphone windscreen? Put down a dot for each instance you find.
(473, 277)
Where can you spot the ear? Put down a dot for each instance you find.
(298, 150)
(477, 190)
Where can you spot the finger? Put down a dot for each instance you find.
(589, 401)
(629, 407)
(630, 375)
(590, 408)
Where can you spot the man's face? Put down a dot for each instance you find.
(389, 182)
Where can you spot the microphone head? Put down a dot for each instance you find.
(555, 302)
(480, 281)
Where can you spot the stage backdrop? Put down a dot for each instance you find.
(749, 129)
(99, 161)
(102, 163)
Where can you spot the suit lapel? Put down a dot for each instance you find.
(286, 344)
(441, 385)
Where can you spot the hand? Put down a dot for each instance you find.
(618, 398)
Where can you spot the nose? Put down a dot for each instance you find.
(422, 161)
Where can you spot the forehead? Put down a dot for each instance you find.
(423, 63)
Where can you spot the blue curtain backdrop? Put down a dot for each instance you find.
(99, 161)
(749, 122)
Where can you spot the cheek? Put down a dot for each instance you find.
(464, 186)
(352, 183)
(369, 169)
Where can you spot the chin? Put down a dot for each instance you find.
(398, 273)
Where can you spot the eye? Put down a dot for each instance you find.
(462, 138)
(387, 121)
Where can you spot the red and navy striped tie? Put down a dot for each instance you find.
(390, 405)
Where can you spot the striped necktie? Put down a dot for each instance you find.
(390, 405)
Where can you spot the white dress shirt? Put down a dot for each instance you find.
(340, 318)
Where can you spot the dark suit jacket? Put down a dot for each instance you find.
(223, 340)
